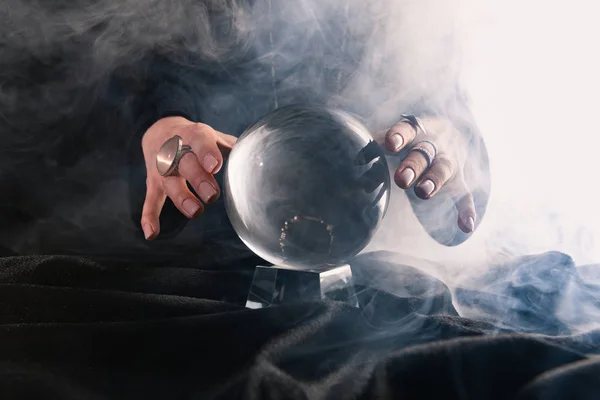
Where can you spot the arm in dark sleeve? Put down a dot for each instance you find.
(170, 89)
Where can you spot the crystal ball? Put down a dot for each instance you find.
(306, 187)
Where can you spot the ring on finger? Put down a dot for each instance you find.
(170, 154)
(413, 121)
(428, 149)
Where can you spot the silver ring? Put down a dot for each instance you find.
(169, 155)
(425, 152)
(413, 121)
(435, 149)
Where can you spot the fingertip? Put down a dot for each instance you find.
(466, 224)
(404, 177)
(227, 140)
(398, 136)
(208, 192)
(394, 141)
(150, 232)
(192, 208)
(425, 189)
(211, 163)
(225, 144)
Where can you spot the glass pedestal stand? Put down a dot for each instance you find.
(280, 285)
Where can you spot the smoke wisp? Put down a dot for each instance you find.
(525, 67)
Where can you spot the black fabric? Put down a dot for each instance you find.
(73, 328)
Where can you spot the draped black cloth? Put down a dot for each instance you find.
(74, 328)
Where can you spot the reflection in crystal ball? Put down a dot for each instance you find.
(306, 187)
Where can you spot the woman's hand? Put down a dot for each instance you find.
(447, 150)
(197, 168)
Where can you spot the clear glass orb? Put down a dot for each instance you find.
(306, 187)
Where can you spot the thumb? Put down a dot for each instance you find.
(463, 200)
(225, 141)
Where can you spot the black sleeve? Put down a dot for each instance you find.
(170, 89)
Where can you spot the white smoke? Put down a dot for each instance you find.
(534, 82)
(531, 73)
(529, 67)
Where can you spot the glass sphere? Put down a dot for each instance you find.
(306, 187)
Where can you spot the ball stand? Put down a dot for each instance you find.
(281, 285)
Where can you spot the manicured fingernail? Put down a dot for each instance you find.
(426, 187)
(207, 191)
(470, 224)
(191, 207)
(396, 141)
(209, 163)
(405, 178)
(148, 230)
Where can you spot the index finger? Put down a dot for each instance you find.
(399, 136)
(203, 141)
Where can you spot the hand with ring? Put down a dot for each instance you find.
(435, 154)
(177, 152)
